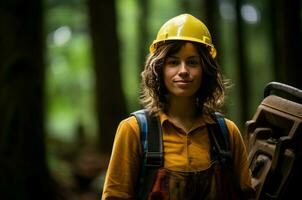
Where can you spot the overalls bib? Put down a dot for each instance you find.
(176, 185)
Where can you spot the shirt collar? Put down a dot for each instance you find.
(203, 120)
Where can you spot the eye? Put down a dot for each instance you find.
(193, 62)
(172, 62)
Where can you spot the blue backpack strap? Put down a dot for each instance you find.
(152, 146)
(219, 137)
(223, 127)
(143, 125)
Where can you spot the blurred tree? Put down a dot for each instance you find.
(212, 20)
(241, 65)
(111, 106)
(23, 170)
(185, 5)
(70, 80)
(287, 41)
(143, 33)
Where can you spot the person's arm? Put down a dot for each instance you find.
(240, 158)
(124, 163)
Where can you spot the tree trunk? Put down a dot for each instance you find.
(212, 22)
(241, 66)
(23, 170)
(185, 5)
(111, 106)
(287, 41)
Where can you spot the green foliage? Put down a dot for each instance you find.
(69, 76)
(127, 12)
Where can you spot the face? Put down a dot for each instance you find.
(182, 72)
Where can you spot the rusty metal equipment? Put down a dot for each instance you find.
(274, 142)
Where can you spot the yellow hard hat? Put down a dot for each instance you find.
(185, 27)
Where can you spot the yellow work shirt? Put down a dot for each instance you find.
(183, 151)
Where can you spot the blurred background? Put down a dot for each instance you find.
(70, 71)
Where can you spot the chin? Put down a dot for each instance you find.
(188, 95)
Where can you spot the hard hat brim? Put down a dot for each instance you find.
(213, 51)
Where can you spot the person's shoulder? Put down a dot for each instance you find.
(128, 128)
(130, 121)
(229, 122)
(231, 125)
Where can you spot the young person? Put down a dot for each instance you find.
(182, 85)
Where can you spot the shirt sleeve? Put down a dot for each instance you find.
(124, 163)
(240, 157)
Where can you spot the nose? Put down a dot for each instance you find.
(183, 70)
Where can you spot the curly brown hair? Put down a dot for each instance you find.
(209, 97)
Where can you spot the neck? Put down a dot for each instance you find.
(182, 108)
(183, 112)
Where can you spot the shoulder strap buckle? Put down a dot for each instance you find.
(153, 159)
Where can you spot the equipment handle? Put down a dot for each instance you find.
(285, 89)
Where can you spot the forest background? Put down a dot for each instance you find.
(70, 71)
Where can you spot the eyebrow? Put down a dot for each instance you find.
(186, 58)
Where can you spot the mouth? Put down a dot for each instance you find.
(183, 81)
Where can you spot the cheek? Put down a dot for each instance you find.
(166, 80)
(198, 75)
(167, 74)
(200, 78)
(198, 83)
